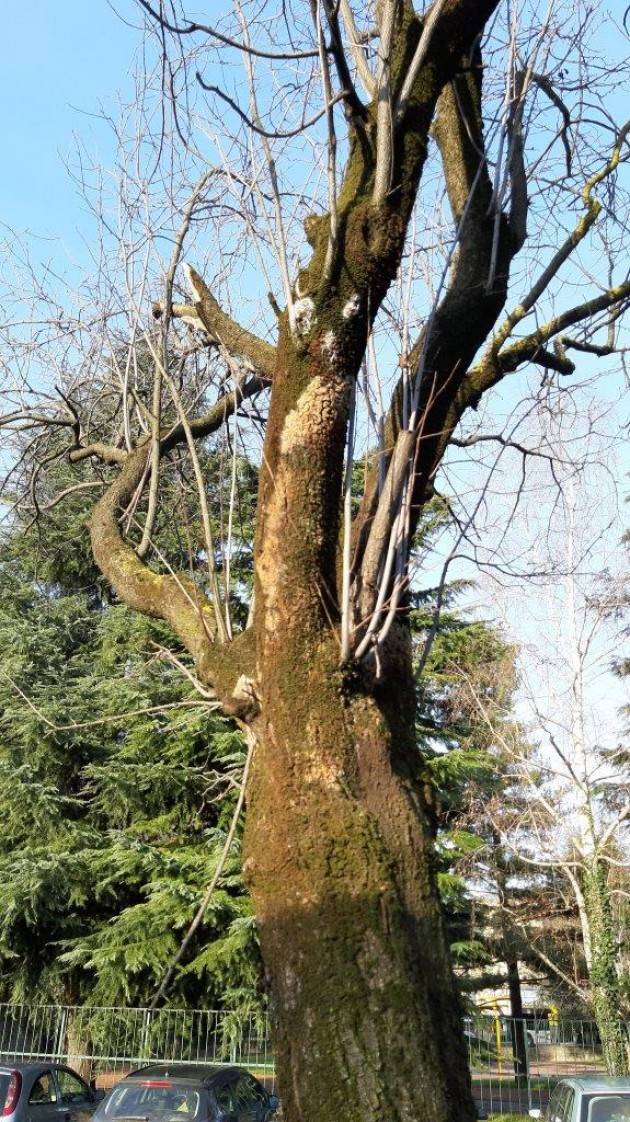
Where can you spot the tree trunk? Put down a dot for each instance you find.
(338, 857)
(519, 1033)
(604, 980)
(78, 1045)
(338, 849)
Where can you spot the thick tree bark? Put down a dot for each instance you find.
(338, 850)
(338, 859)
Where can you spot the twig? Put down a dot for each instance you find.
(203, 907)
(193, 27)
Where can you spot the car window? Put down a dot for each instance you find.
(249, 1091)
(243, 1097)
(556, 1107)
(225, 1100)
(258, 1091)
(163, 1101)
(606, 1108)
(567, 1105)
(71, 1088)
(553, 1112)
(43, 1089)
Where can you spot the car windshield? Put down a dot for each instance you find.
(606, 1107)
(163, 1102)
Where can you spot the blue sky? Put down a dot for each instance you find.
(58, 60)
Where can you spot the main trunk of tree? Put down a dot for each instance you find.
(519, 1033)
(78, 1046)
(338, 846)
(338, 857)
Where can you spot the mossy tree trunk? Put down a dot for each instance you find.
(338, 857)
(338, 836)
(603, 976)
(338, 847)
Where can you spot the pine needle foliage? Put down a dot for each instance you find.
(117, 787)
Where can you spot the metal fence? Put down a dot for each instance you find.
(514, 1064)
(111, 1041)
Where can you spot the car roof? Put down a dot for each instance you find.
(41, 1065)
(195, 1074)
(594, 1084)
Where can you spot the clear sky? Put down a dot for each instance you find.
(58, 60)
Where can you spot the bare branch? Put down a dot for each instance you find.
(220, 326)
(218, 873)
(356, 46)
(194, 27)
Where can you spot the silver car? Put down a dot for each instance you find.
(588, 1098)
(45, 1093)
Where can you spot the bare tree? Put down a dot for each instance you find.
(570, 817)
(377, 340)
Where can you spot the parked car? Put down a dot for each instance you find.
(45, 1093)
(588, 1098)
(188, 1093)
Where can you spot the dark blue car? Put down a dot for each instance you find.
(188, 1093)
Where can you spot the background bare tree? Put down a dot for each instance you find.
(440, 165)
(567, 821)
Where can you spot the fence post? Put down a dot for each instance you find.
(497, 1037)
(146, 1028)
(61, 1033)
(527, 1071)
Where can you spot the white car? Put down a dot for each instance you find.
(588, 1098)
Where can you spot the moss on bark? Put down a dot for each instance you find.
(338, 857)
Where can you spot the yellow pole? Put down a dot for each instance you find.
(497, 1035)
